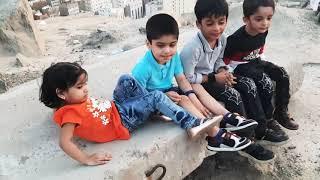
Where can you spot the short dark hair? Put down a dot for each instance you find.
(161, 24)
(62, 76)
(251, 6)
(209, 8)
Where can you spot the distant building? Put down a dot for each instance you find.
(54, 3)
(117, 12)
(68, 7)
(135, 7)
(101, 7)
(119, 3)
(152, 7)
(178, 7)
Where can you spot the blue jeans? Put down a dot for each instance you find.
(135, 104)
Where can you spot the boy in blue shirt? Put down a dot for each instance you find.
(155, 71)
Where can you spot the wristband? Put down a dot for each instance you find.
(211, 77)
(189, 92)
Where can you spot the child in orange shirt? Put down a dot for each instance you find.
(64, 88)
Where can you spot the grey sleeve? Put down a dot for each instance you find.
(190, 58)
(219, 62)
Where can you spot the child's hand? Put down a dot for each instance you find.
(222, 69)
(231, 80)
(222, 77)
(204, 111)
(174, 96)
(98, 159)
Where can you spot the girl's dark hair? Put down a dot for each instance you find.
(62, 76)
(161, 24)
(209, 8)
(251, 6)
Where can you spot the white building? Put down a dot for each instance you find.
(102, 7)
(119, 3)
(152, 8)
(178, 7)
(136, 10)
(55, 3)
(117, 12)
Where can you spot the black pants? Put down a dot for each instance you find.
(242, 98)
(262, 72)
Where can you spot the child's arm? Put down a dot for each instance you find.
(66, 144)
(219, 64)
(185, 86)
(189, 59)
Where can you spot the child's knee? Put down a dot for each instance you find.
(158, 95)
(125, 77)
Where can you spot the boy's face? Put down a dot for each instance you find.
(164, 48)
(260, 21)
(212, 27)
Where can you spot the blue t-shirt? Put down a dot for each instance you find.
(154, 76)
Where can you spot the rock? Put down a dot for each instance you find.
(22, 61)
(42, 25)
(76, 42)
(291, 147)
(18, 32)
(3, 86)
(142, 30)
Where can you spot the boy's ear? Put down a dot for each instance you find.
(148, 44)
(60, 94)
(198, 24)
(245, 20)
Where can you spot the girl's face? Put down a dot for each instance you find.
(78, 93)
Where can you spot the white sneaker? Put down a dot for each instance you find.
(204, 125)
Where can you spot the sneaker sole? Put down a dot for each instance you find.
(265, 142)
(244, 154)
(253, 125)
(210, 153)
(228, 149)
(208, 124)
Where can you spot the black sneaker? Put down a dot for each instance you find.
(229, 142)
(257, 153)
(233, 122)
(272, 137)
(274, 125)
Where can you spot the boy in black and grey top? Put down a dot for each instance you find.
(243, 48)
(244, 54)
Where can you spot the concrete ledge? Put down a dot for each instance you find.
(29, 138)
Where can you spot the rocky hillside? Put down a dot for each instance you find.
(18, 32)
